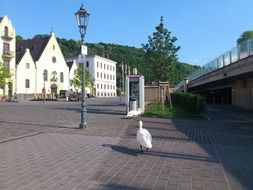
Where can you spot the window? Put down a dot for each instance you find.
(113, 68)
(87, 64)
(27, 83)
(54, 59)
(97, 86)
(6, 31)
(108, 76)
(97, 64)
(104, 76)
(6, 47)
(101, 75)
(27, 65)
(107, 67)
(97, 74)
(45, 75)
(113, 77)
(101, 86)
(61, 77)
(104, 66)
(53, 47)
(104, 86)
(101, 65)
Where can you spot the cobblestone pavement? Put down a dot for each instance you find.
(41, 147)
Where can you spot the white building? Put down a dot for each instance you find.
(7, 54)
(103, 74)
(40, 64)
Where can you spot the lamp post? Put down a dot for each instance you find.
(82, 17)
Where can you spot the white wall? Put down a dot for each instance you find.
(105, 85)
(6, 22)
(109, 81)
(72, 73)
(45, 62)
(24, 73)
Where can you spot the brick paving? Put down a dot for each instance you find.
(42, 149)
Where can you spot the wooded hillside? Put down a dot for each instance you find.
(121, 54)
(124, 54)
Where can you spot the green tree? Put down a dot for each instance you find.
(245, 36)
(77, 80)
(4, 74)
(160, 55)
(19, 38)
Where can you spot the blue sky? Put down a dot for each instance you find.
(205, 28)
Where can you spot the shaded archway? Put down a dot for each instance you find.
(54, 90)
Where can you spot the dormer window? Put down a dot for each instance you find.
(6, 31)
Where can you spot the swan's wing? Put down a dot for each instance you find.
(144, 138)
(130, 114)
(147, 134)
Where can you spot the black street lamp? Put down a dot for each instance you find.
(82, 17)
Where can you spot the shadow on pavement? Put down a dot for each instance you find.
(39, 125)
(111, 186)
(122, 149)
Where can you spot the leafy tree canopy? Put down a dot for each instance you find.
(132, 56)
(77, 80)
(19, 38)
(160, 55)
(245, 36)
(4, 74)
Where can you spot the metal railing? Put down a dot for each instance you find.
(241, 51)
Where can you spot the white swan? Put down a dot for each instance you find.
(134, 113)
(144, 137)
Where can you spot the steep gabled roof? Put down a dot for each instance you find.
(36, 47)
(19, 56)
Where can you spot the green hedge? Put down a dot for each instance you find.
(192, 102)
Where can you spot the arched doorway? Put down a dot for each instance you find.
(54, 90)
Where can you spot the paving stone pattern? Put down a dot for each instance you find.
(42, 149)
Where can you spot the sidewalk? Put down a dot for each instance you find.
(186, 154)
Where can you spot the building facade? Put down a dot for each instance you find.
(40, 67)
(102, 71)
(7, 54)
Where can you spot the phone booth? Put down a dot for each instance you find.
(134, 92)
